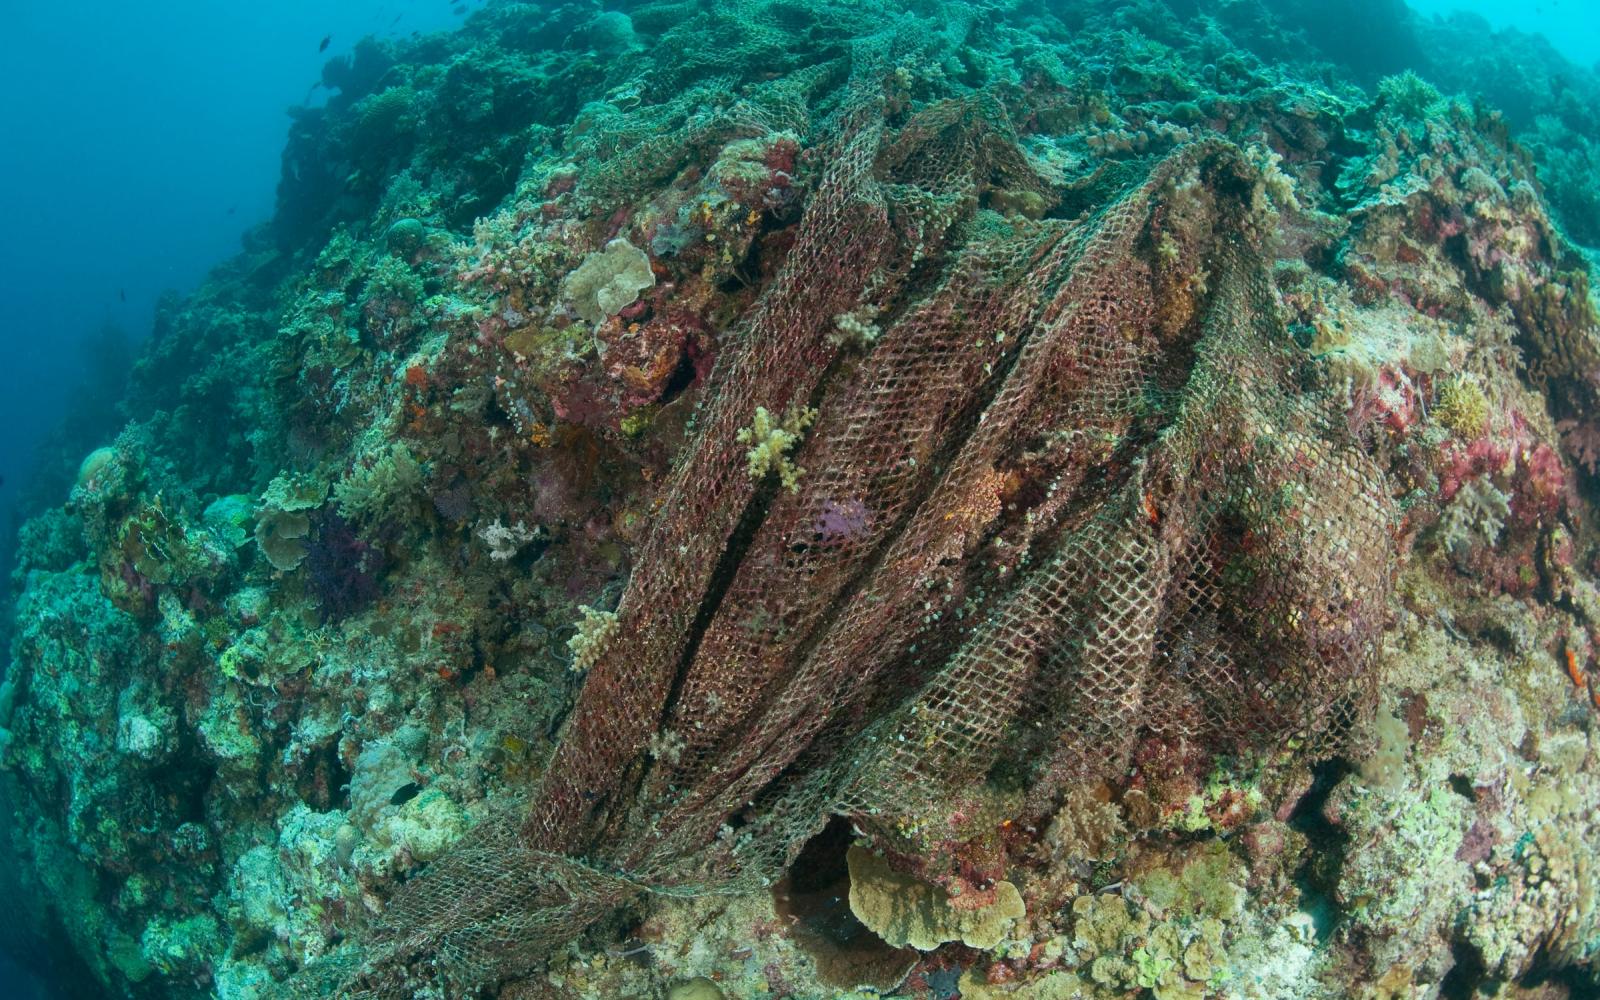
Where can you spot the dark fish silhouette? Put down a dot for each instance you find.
(325, 40)
(232, 209)
(122, 293)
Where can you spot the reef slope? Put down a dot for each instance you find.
(844, 499)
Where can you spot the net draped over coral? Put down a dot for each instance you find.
(1077, 491)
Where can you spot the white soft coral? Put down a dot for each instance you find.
(1476, 516)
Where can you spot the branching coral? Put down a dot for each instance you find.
(857, 328)
(1409, 95)
(506, 540)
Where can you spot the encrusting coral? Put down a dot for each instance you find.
(905, 911)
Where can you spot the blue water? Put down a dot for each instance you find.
(137, 143)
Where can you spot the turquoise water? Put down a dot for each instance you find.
(1572, 26)
(142, 145)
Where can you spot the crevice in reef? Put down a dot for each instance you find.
(813, 899)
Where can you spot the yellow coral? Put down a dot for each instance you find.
(771, 441)
(906, 911)
(1463, 407)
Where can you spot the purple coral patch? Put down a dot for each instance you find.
(343, 570)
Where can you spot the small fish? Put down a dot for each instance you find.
(122, 293)
(232, 209)
(325, 40)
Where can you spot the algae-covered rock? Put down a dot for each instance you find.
(1051, 986)
(229, 518)
(425, 826)
(294, 492)
(183, 944)
(905, 911)
(258, 895)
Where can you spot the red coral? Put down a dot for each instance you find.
(1484, 457)
(1582, 441)
(561, 183)
(1542, 484)
(1544, 487)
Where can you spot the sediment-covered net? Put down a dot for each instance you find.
(1078, 492)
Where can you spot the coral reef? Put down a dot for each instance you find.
(668, 479)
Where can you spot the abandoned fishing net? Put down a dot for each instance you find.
(974, 502)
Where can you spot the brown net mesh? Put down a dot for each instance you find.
(1077, 492)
